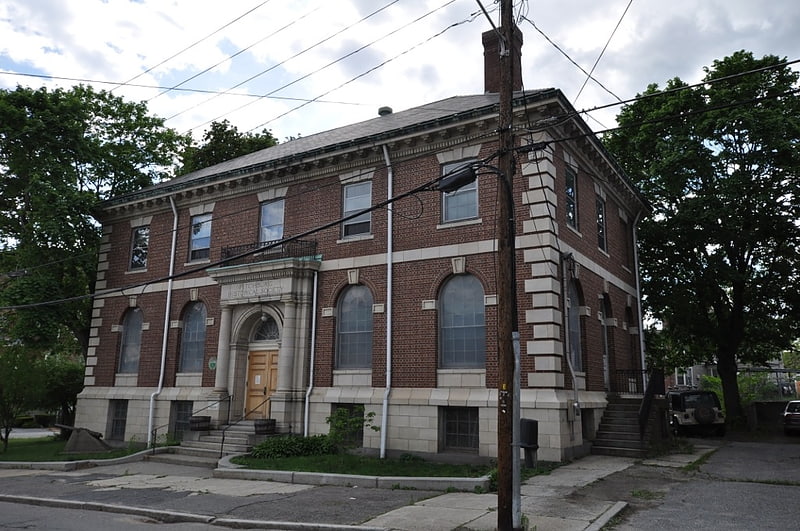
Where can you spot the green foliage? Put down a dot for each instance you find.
(753, 387)
(20, 387)
(61, 153)
(62, 379)
(347, 426)
(292, 446)
(222, 142)
(720, 165)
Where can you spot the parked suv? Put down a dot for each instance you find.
(692, 411)
(791, 417)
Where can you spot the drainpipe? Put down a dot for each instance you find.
(313, 353)
(389, 250)
(639, 294)
(153, 396)
(567, 350)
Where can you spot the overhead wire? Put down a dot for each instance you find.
(426, 186)
(236, 54)
(281, 63)
(187, 48)
(603, 51)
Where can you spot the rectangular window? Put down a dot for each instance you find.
(140, 242)
(571, 189)
(180, 412)
(460, 428)
(351, 421)
(117, 419)
(200, 244)
(271, 221)
(460, 204)
(357, 197)
(602, 242)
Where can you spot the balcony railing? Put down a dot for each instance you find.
(273, 250)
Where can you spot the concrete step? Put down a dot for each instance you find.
(619, 443)
(214, 447)
(183, 459)
(616, 434)
(618, 452)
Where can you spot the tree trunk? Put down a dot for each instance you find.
(726, 364)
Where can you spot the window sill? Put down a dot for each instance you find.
(461, 223)
(573, 229)
(188, 379)
(357, 238)
(136, 271)
(199, 261)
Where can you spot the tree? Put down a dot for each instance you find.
(222, 142)
(719, 163)
(61, 153)
(61, 377)
(20, 388)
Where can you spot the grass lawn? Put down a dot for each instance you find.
(372, 466)
(49, 449)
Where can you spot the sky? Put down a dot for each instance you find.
(299, 67)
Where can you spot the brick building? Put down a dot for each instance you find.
(260, 287)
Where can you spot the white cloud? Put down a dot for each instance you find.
(118, 40)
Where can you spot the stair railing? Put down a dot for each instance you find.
(232, 424)
(154, 432)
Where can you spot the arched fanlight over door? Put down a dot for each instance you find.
(268, 329)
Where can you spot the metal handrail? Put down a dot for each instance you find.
(154, 432)
(230, 425)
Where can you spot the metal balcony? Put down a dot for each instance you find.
(251, 253)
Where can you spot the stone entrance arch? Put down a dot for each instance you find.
(281, 290)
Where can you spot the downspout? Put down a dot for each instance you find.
(313, 353)
(165, 337)
(389, 249)
(567, 349)
(639, 294)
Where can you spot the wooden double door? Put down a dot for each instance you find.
(262, 380)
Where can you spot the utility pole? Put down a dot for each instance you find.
(506, 281)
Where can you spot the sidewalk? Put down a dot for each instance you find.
(191, 494)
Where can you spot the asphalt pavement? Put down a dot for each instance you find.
(179, 493)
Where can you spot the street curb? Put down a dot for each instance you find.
(606, 517)
(162, 516)
(173, 517)
(69, 466)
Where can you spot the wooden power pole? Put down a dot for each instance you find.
(506, 289)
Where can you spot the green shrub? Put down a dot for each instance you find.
(293, 446)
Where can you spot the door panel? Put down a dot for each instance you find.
(262, 380)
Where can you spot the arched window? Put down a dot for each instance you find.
(268, 329)
(193, 338)
(131, 343)
(462, 324)
(574, 325)
(354, 329)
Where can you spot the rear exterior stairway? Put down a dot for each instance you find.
(618, 433)
(204, 448)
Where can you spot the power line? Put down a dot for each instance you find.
(427, 186)
(565, 54)
(161, 87)
(603, 51)
(376, 67)
(241, 51)
(137, 76)
(280, 64)
(550, 121)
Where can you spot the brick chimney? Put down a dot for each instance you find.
(491, 60)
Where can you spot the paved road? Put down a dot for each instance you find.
(740, 486)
